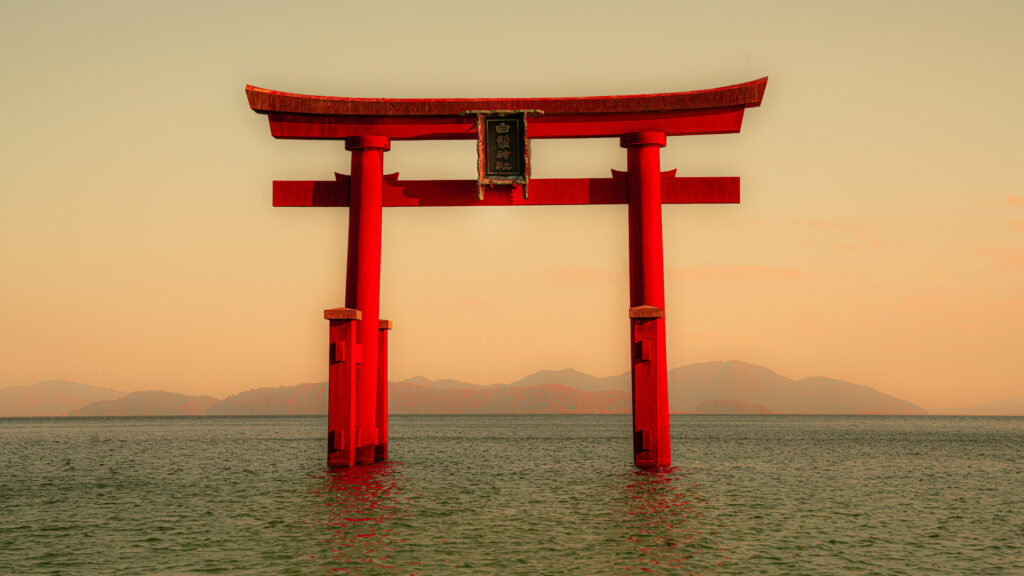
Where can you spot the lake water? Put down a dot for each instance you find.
(514, 495)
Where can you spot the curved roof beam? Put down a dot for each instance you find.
(745, 95)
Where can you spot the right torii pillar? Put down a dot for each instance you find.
(652, 442)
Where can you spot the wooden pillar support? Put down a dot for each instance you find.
(380, 452)
(652, 441)
(343, 357)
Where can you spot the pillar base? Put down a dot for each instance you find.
(351, 438)
(344, 354)
(380, 451)
(652, 443)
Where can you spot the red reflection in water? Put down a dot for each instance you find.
(359, 509)
(662, 514)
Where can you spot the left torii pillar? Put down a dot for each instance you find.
(354, 409)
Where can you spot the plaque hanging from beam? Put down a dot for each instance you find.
(503, 149)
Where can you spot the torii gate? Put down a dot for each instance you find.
(503, 127)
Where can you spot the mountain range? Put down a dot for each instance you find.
(149, 403)
(710, 388)
(51, 398)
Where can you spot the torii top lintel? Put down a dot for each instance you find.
(300, 116)
(714, 111)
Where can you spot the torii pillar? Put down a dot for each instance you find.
(357, 416)
(362, 284)
(652, 444)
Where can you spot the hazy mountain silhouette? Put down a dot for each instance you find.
(149, 403)
(575, 379)
(51, 398)
(710, 387)
(830, 396)
(412, 397)
(302, 399)
(736, 381)
(439, 384)
(739, 387)
(551, 398)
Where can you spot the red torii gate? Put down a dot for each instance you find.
(358, 384)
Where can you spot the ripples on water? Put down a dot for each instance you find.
(514, 495)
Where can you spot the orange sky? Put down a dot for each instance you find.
(880, 238)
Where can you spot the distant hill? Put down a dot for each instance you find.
(738, 388)
(829, 396)
(550, 398)
(735, 381)
(709, 387)
(51, 398)
(149, 403)
(301, 399)
(1008, 407)
(439, 384)
(575, 379)
(411, 397)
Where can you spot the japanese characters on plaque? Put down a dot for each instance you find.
(503, 149)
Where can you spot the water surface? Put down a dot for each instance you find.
(514, 495)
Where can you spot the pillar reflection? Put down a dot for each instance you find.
(661, 525)
(358, 510)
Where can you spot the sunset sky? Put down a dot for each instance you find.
(880, 238)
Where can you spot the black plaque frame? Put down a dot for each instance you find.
(489, 172)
